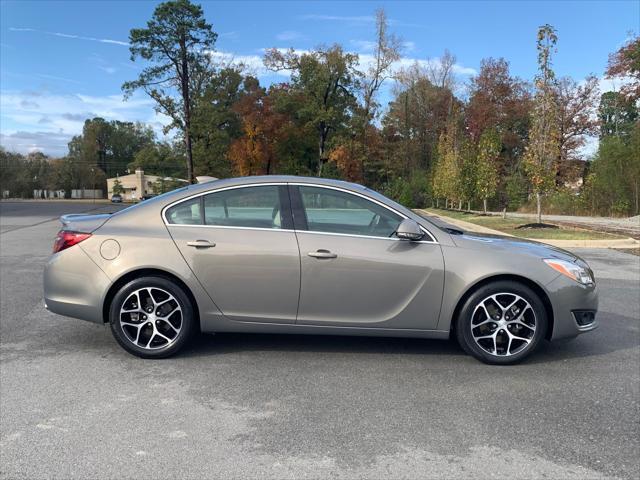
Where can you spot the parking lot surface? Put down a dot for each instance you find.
(73, 404)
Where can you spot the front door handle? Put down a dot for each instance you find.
(201, 244)
(322, 254)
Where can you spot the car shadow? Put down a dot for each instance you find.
(225, 343)
(615, 333)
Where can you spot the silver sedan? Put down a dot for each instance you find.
(281, 254)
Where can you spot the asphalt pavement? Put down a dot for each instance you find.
(73, 404)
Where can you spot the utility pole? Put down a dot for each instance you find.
(93, 176)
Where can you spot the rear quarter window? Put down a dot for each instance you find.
(185, 213)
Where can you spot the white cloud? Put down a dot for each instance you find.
(68, 35)
(230, 35)
(363, 45)
(356, 20)
(46, 121)
(369, 46)
(51, 143)
(341, 18)
(107, 69)
(289, 35)
(409, 46)
(62, 79)
(254, 65)
(102, 64)
(613, 84)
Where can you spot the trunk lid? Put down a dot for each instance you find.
(79, 222)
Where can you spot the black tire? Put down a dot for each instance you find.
(463, 325)
(178, 341)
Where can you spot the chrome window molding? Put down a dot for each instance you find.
(298, 184)
(393, 239)
(231, 227)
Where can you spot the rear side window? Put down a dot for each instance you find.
(253, 207)
(185, 213)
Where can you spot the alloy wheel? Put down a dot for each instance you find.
(151, 318)
(503, 324)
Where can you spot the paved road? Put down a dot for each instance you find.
(74, 405)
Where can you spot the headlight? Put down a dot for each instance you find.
(575, 272)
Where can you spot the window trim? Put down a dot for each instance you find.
(299, 204)
(290, 208)
(283, 198)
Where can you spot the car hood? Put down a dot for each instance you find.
(481, 241)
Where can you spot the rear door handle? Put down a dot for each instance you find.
(201, 244)
(322, 254)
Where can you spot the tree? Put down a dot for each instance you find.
(347, 159)
(542, 153)
(486, 169)
(385, 53)
(625, 64)
(416, 117)
(617, 115)
(109, 146)
(255, 153)
(441, 73)
(92, 145)
(326, 77)
(215, 120)
(175, 42)
(117, 187)
(124, 141)
(613, 186)
(468, 171)
(577, 119)
(161, 159)
(447, 179)
(500, 102)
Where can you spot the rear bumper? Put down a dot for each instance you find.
(74, 286)
(567, 299)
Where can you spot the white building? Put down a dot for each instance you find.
(136, 185)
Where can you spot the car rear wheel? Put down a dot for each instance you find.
(151, 317)
(501, 323)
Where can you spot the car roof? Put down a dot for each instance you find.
(229, 182)
(160, 202)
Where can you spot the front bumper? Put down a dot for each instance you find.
(74, 286)
(568, 298)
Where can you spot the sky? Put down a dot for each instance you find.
(62, 62)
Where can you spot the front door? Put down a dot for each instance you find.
(240, 244)
(355, 272)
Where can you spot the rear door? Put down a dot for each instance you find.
(240, 244)
(355, 272)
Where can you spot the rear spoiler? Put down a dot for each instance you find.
(79, 222)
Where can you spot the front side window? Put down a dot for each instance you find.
(335, 211)
(254, 207)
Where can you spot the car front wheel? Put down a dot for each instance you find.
(501, 323)
(151, 317)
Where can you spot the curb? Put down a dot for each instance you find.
(472, 227)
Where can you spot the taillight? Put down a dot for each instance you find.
(66, 239)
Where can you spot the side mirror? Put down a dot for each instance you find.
(409, 230)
